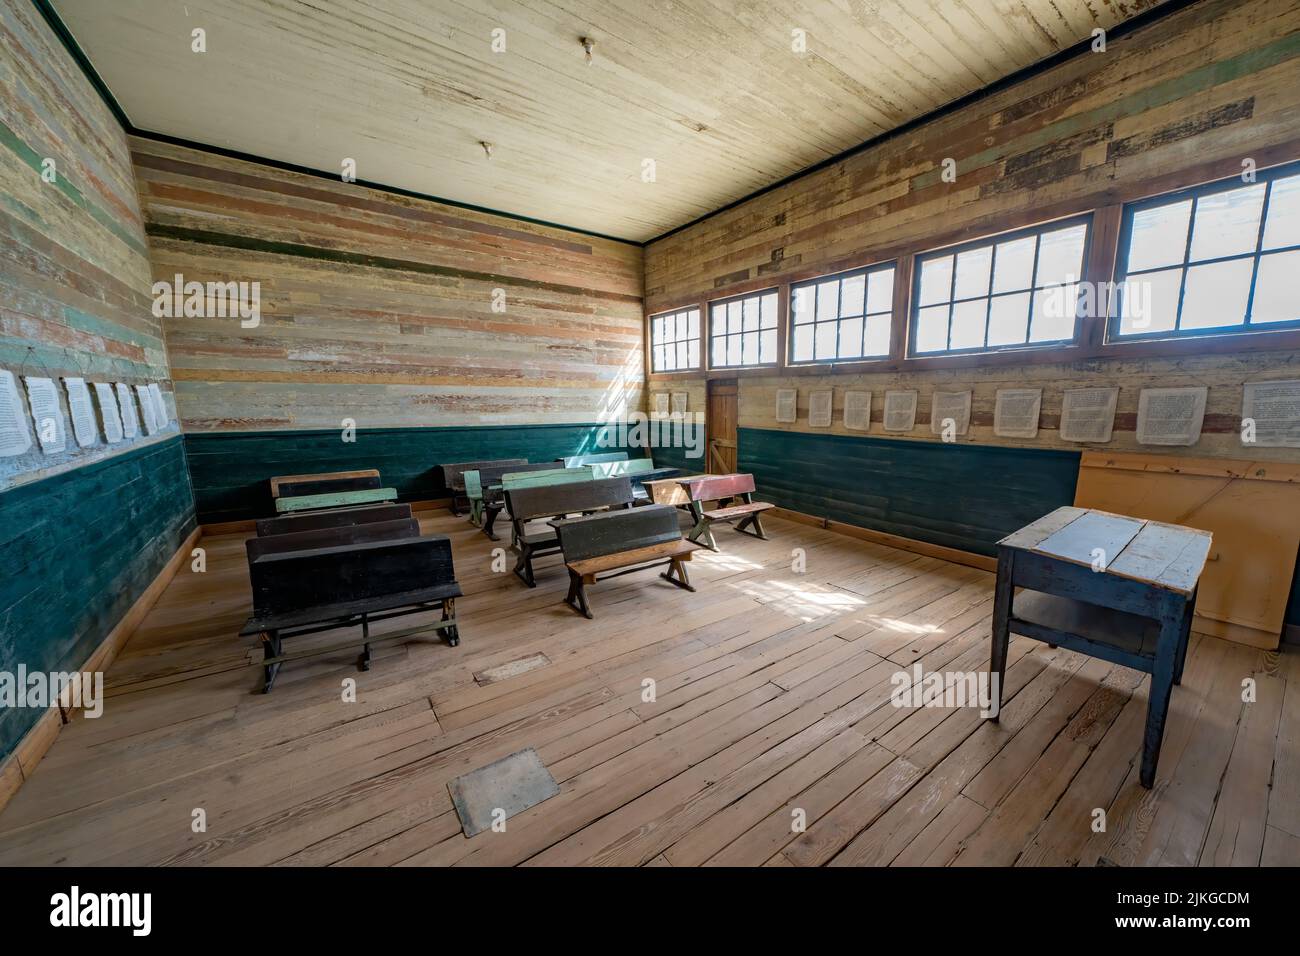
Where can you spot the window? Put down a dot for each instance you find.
(842, 317)
(675, 341)
(1219, 258)
(742, 331)
(1020, 289)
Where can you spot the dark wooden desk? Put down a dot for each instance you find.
(1118, 588)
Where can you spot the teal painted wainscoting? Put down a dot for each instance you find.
(230, 469)
(671, 449)
(78, 549)
(960, 495)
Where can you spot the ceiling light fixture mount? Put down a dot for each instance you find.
(588, 44)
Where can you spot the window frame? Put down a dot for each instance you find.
(1195, 193)
(812, 282)
(699, 337)
(1086, 219)
(781, 320)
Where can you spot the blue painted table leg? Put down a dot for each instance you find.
(1162, 685)
(1188, 614)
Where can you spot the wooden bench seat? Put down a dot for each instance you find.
(736, 511)
(615, 543)
(308, 591)
(590, 567)
(485, 489)
(453, 477)
(334, 499)
(289, 485)
(723, 488)
(533, 502)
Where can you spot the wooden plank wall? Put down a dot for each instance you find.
(379, 308)
(82, 534)
(1213, 83)
(74, 261)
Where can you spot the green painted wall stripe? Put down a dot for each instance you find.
(319, 253)
(32, 158)
(962, 495)
(79, 548)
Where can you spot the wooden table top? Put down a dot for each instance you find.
(1166, 556)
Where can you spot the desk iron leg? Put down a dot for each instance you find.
(701, 533)
(490, 518)
(1001, 627)
(270, 648)
(450, 634)
(364, 662)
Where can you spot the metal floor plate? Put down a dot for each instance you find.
(511, 784)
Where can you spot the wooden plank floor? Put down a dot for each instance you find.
(771, 702)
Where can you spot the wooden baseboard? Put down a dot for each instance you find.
(250, 525)
(970, 560)
(20, 764)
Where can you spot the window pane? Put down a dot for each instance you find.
(803, 343)
(735, 313)
(880, 291)
(750, 312)
(1149, 302)
(1283, 225)
(733, 350)
(693, 324)
(717, 319)
(1227, 223)
(1277, 289)
(851, 338)
(827, 300)
(693, 352)
(1054, 313)
(1009, 319)
(1159, 236)
(1060, 256)
(749, 349)
(1014, 269)
(681, 355)
(852, 294)
(824, 341)
(769, 311)
(877, 339)
(719, 354)
(659, 358)
(973, 274)
(802, 304)
(968, 324)
(936, 280)
(767, 345)
(1216, 294)
(932, 329)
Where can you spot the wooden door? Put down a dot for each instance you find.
(721, 423)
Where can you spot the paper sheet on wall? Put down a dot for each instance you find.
(819, 407)
(677, 403)
(108, 413)
(661, 405)
(126, 406)
(47, 413)
(786, 404)
(857, 410)
(147, 409)
(1088, 414)
(950, 410)
(900, 411)
(1015, 414)
(83, 413)
(1270, 414)
(1171, 416)
(15, 436)
(159, 405)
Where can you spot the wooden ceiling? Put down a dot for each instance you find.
(711, 90)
